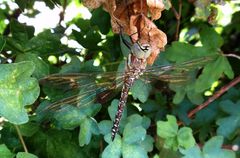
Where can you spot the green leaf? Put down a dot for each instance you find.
(62, 143)
(41, 68)
(24, 4)
(212, 149)
(229, 125)
(180, 52)
(105, 126)
(180, 94)
(141, 90)
(2, 43)
(171, 143)
(113, 150)
(137, 120)
(132, 134)
(167, 129)
(132, 150)
(192, 152)
(112, 110)
(88, 38)
(45, 44)
(29, 129)
(147, 143)
(86, 129)
(210, 38)
(17, 89)
(194, 97)
(72, 67)
(212, 72)
(165, 153)
(70, 117)
(5, 152)
(103, 23)
(25, 155)
(21, 33)
(185, 138)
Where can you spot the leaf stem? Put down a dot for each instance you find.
(232, 55)
(212, 98)
(21, 139)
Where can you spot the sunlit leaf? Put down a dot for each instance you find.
(17, 89)
(185, 138)
(25, 155)
(167, 128)
(212, 72)
(5, 152)
(41, 68)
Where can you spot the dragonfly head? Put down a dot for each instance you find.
(141, 51)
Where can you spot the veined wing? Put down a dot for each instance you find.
(177, 72)
(81, 89)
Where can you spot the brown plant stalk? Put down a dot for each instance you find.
(212, 98)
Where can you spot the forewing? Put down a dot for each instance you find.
(80, 89)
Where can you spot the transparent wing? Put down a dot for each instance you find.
(80, 89)
(177, 73)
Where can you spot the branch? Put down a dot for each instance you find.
(63, 11)
(227, 147)
(177, 16)
(212, 98)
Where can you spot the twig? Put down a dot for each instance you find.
(232, 55)
(228, 147)
(178, 17)
(21, 139)
(212, 98)
(63, 11)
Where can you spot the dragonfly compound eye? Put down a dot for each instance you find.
(141, 51)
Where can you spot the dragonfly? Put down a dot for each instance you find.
(98, 87)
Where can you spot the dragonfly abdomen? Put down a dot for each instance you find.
(122, 102)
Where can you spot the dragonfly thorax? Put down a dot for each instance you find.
(141, 51)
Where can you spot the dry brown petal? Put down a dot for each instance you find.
(131, 17)
(159, 37)
(155, 8)
(155, 4)
(153, 56)
(156, 13)
(140, 7)
(109, 6)
(147, 32)
(92, 4)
